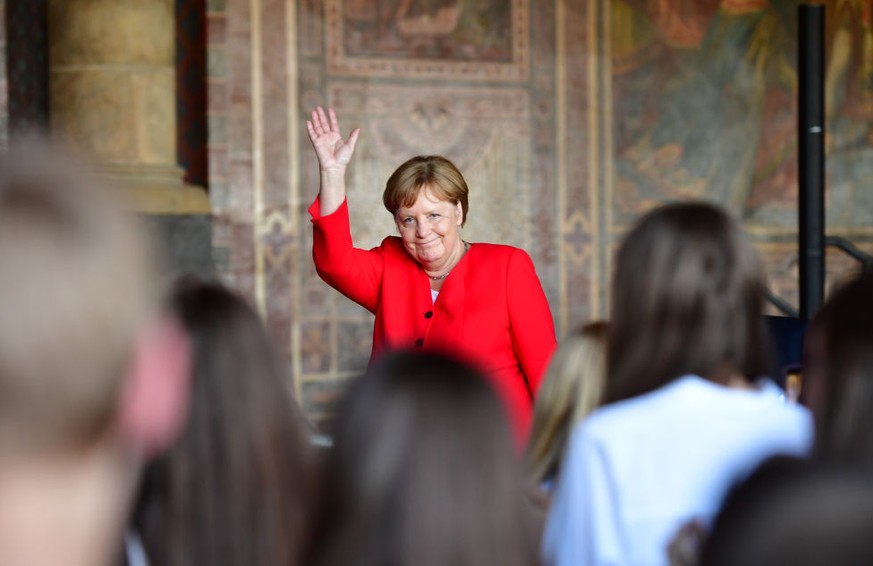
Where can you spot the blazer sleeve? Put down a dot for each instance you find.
(354, 272)
(530, 319)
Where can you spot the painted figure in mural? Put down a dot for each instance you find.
(849, 112)
(722, 123)
(713, 65)
(684, 413)
(428, 287)
(440, 29)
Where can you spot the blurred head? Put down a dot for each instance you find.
(77, 284)
(838, 372)
(92, 373)
(572, 388)
(687, 298)
(423, 471)
(234, 488)
(795, 514)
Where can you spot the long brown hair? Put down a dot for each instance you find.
(687, 298)
(793, 512)
(423, 472)
(234, 489)
(838, 372)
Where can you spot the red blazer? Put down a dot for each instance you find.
(491, 309)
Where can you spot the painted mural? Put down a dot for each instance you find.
(473, 39)
(436, 29)
(568, 118)
(722, 121)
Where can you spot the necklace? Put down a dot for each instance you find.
(446, 274)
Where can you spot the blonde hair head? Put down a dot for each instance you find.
(572, 388)
(77, 284)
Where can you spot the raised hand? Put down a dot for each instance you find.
(324, 132)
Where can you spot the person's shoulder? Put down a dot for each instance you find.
(391, 245)
(787, 426)
(639, 412)
(619, 418)
(490, 248)
(392, 241)
(603, 431)
(771, 400)
(784, 411)
(499, 252)
(768, 418)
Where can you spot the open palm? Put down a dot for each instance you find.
(327, 140)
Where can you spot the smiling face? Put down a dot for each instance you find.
(431, 230)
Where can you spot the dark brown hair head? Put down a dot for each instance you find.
(234, 489)
(687, 298)
(423, 472)
(838, 372)
(795, 513)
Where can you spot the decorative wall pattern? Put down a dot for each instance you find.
(568, 117)
(485, 40)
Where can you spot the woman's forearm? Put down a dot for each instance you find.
(332, 190)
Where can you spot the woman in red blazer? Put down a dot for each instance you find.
(429, 288)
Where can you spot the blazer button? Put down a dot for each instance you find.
(419, 342)
(428, 314)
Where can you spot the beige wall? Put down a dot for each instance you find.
(112, 96)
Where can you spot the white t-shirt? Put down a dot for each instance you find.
(637, 470)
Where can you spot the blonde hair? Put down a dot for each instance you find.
(572, 388)
(76, 281)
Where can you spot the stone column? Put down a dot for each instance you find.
(112, 96)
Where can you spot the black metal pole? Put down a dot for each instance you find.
(811, 165)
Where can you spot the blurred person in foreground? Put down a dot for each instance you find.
(234, 490)
(572, 388)
(423, 472)
(838, 373)
(818, 505)
(817, 512)
(92, 372)
(428, 287)
(683, 418)
(792, 512)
